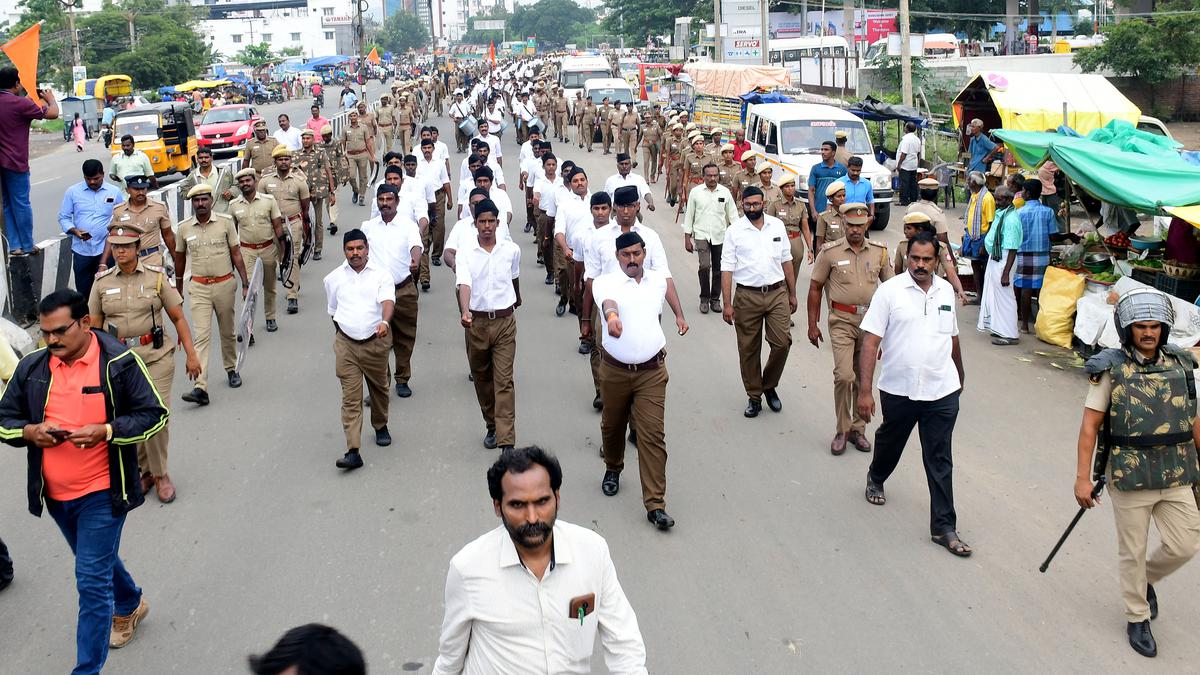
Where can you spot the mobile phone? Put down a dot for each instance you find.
(59, 435)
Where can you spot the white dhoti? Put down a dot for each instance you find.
(997, 304)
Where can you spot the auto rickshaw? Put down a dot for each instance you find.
(164, 131)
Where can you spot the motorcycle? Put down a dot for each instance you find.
(319, 100)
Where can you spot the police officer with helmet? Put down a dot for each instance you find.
(1142, 407)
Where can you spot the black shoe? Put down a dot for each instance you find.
(425, 286)
(585, 348)
(196, 395)
(353, 199)
(752, 408)
(293, 306)
(660, 519)
(437, 262)
(633, 437)
(316, 255)
(235, 380)
(1141, 639)
(773, 401)
(561, 307)
(333, 228)
(383, 437)
(251, 340)
(557, 288)
(1152, 598)
(549, 279)
(597, 403)
(362, 201)
(529, 227)
(489, 441)
(272, 326)
(611, 483)
(351, 460)
(402, 390)
(505, 447)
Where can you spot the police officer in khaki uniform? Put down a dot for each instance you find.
(260, 232)
(149, 217)
(257, 154)
(589, 116)
(359, 145)
(312, 161)
(727, 169)
(745, 178)
(673, 162)
(629, 132)
(221, 181)
(211, 240)
(830, 225)
(713, 148)
(651, 142)
(560, 115)
(794, 215)
(406, 117)
(842, 153)
(694, 160)
(771, 192)
(603, 115)
(367, 119)
(849, 270)
(290, 189)
(128, 302)
(385, 122)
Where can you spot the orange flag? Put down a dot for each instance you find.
(23, 52)
(373, 57)
(492, 52)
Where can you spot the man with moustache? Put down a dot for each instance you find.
(502, 587)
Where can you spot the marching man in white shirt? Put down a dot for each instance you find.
(459, 110)
(492, 140)
(360, 299)
(573, 218)
(464, 234)
(529, 597)
(623, 177)
(422, 191)
(633, 372)
(488, 294)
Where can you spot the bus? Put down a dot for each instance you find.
(789, 51)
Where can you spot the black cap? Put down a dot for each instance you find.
(625, 195)
(627, 239)
(386, 188)
(601, 197)
(486, 206)
(138, 181)
(575, 172)
(622, 157)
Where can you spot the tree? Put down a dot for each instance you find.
(403, 31)
(956, 16)
(483, 37)
(551, 21)
(639, 19)
(1153, 51)
(256, 56)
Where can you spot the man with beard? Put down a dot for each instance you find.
(501, 588)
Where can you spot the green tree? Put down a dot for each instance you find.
(256, 56)
(1154, 51)
(551, 21)
(951, 17)
(639, 19)
(401, 32)
(54, 57)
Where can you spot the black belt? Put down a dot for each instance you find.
(1149, 440)
(149, 251)
(761, 289)
(492, 314)
(354, 340)
(404, 283)
(654, 363)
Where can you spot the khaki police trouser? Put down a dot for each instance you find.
(207, 299)
(295, 225)
(404, 133)
(674, 178)
(560, 125)
(1178, 522)
(270, 273)
(628, 139)
(846, 340)
(796, 241)
(319, 204)
(387, 137)
(650, 160)
(752, 311)
(587, 134)
(638, 399)
(152, 454)
(355, 362)
(404, 329)
(360, 172)
(491, 352)
(155, 259)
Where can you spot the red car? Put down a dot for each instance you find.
(225, 129)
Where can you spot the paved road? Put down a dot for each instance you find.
(777, 565)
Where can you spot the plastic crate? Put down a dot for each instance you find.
(1146, 276)
(1185, 289)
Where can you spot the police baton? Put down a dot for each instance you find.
(1096, 490)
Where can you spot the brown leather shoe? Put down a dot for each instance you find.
(147, 482)
(860, 441)
(838, 446)
(123, 627)
(166, 489)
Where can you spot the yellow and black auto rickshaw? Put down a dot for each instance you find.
(164, 131)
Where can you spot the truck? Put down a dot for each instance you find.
(716, 90)
(574, 71)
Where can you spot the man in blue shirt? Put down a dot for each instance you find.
(85, 214)
(819, 178)
(1033, 257)
(858, 191)
(981, 147)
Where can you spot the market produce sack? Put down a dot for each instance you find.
(1056, 306)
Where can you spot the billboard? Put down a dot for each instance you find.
(871, 25)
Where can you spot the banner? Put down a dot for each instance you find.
(373, 57)
(23, 52)
(245, 323)
(492, 52)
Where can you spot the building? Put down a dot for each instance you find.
(455, 14)
(316, 27)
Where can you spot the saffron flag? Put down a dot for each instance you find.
(373, 57)
(492, 52)
(23, 52)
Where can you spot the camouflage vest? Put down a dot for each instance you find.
(1151, 411)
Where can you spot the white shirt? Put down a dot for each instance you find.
(574, 220)
(459, 110)
(525, 111)
(433, 171)
(355, 299)
(499, 198)
(600, 250)
(492, 139)
(489, 275)
(501, 619)
(419, 188)
(525, 155)
(290, 138)
(391, 245)
(464, 234)
(545, 191)
(408, 207)
(466, 182)
(441, 153)
(639, 306)
(756, 256)
(911, 146)
(917, 330)
(615, 181)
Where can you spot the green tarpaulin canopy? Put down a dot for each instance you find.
(1143, 182)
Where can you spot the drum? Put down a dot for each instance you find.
(503, 127)
(469, 126)
(536, 123)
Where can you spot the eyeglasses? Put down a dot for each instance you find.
(60, 331)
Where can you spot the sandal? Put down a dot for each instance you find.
(875, 494)
(952, 543)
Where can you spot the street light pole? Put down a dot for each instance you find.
(75, 57)
(906, 92)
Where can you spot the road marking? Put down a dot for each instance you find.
(44, 180)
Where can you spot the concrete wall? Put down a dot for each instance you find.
(953, 74)
(1168, 101)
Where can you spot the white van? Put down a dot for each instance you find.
(789, 136)
(615, 89)
(574, 71)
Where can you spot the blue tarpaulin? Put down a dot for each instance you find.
(755, 98)
(324, 62)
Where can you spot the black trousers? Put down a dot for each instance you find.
(710, 277)
(935, 425)
(908, 187)
(6, 566)
(85, 267)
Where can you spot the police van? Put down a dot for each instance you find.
(789, 137)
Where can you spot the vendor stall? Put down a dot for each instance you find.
(1037, 101)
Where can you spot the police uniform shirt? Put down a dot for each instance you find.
(259, 152)
(287, 191)
(600, 251)
(850, 277)
(917, 330)
(391, 245)
(151, 220)
(791, 213)
(755, 256)
(830, 225)
(355, 137)
(254, 218)
(313, 163)
(133, 304)
(208, 244)
(464, 233)
(727, 174)
(639, 306)
(935, 213)
(489, 275)
(355, 299)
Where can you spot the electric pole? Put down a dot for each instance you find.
(362, 54)
(764, 21)
(718, 41)
(906, 91)
(75, 57)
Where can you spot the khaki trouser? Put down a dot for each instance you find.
(564, 272)
(628, 139)
(155, 259)
(404, 133)
(152, 454)
(491, 351)
(587, 134)
(560, 125)
(641, 398)
(206, 299)
(846, 340)
(387, 138)
(270, 258)
(426, 244)
(650, 160)
(797, 244)
(404, 330)
(606, 138)
(674, 178)
(1178, 522)
(319, 204)
(360, 172)
(353, 363)
(545, 228)
(438, 228)
(752, 310)
(296, 227)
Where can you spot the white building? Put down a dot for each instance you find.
(318, 29)
(455, 14)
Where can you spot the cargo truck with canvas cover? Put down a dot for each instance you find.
(717, 89)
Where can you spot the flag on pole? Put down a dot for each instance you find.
(492, 52)
(23, 52)
(373, 57)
